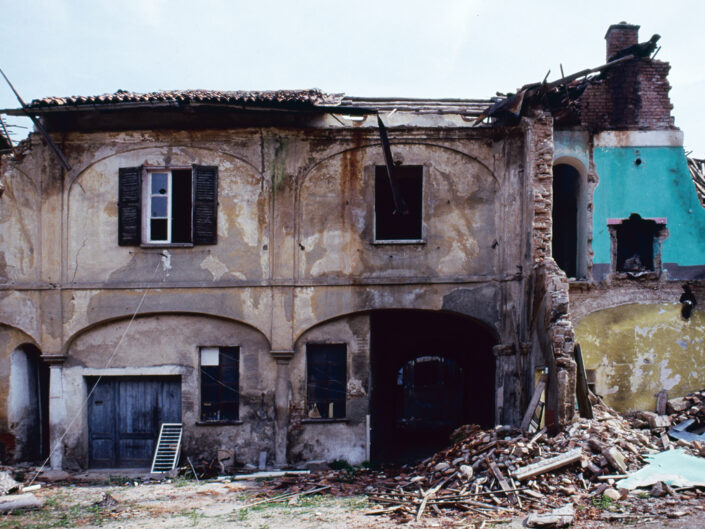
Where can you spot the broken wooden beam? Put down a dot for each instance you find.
(501, 480)
(581, 385)
(535, 398)
(19, 501)
(552, 463)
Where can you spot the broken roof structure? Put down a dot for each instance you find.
(294, 275)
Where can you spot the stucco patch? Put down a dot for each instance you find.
(216, 267)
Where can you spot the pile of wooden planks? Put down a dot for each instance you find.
(499, 472)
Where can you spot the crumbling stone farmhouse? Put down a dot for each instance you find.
(250, 265)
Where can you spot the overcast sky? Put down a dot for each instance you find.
(446, 48)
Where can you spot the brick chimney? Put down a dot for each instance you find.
(620, 36)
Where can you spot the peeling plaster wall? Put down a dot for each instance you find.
(333, 440)
(19, 227)
(169, 345)
(10, 340)
(93, 255)
(637, 350)
(295, 248)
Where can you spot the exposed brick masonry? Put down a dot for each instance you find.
(538, 160)
(632, 96)
(620, 36)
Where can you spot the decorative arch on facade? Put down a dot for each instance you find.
(120, 319)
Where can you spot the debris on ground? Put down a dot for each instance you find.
(583, 473)
(672, 467)
(503, 472)
(19, 501)
(7, 483)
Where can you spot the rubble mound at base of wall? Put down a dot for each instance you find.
(502, 472)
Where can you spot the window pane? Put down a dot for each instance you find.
(228, 411)
(219, 385)
(209, 393)
(326, 380)
(227, 375)
(158, 229)
(159, 206)
(160, 183)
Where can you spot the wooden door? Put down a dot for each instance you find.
(124, 415)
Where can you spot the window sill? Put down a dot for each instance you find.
(313, 421)
(166, 245)
(218, 423)
(386, 242)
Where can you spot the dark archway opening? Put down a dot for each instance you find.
(32, 400)
(431, 372)
(566, 193)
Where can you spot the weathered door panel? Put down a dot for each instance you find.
(101, 425)
(130, 425)
(138, 421)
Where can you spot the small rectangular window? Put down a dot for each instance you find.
(392, 225)
(220, 394)
(326, 380)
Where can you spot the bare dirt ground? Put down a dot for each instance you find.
(121, 503)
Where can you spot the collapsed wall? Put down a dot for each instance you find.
(552, 338)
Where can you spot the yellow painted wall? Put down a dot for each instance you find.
(637, 350)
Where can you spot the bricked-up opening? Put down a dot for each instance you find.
(636, 244)
(391, 225)
(431, 372)
(566, 197)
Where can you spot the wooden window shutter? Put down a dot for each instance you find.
(129, 206)
(205, 204)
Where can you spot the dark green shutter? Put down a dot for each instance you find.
(205, 204)
(129, 206)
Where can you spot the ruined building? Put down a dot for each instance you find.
(243, 263)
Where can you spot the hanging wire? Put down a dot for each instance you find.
(79, 412)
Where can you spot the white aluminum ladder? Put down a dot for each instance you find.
(166, 454)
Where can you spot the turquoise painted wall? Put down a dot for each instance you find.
(660, 186)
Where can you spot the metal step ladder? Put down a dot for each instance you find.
(166, 454)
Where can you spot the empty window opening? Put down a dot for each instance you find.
(566, 200)
(220, 393)
(391, 225)
(326, 380)
(431, 372)
(637, 244)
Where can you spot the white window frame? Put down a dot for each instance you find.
(147, 195)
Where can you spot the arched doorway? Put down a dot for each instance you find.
(28, 406)
(567, 198)
(431, 372)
